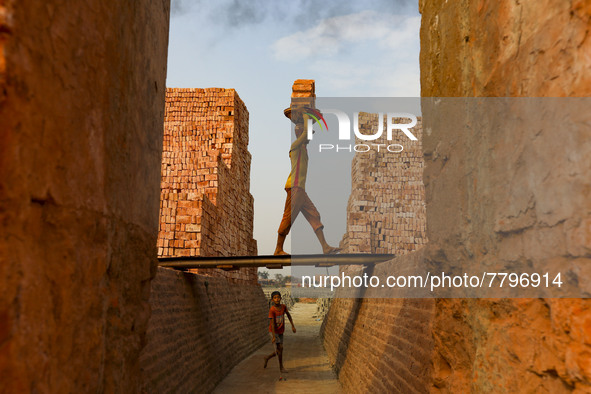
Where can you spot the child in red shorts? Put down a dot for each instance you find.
(277, 314)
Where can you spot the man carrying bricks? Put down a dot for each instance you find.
(297, 199)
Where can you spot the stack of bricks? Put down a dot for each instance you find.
(206, 208)
(386, 209)
(303, 88)
(303, 93)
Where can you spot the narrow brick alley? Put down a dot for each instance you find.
(305, 359)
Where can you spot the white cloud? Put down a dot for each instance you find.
(404, 36)
(363, 54)
(383, 79)
(333, 35)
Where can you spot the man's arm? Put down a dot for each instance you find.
(303, 137)
(290, 320)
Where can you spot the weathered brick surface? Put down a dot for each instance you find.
(505, 48)
(206, 208)
(380, 345)
(81, 112)
(201, 326)
(383, 345)
(506, 197)
(386, 208)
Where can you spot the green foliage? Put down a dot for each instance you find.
(263, 274)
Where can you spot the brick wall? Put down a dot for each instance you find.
(201, 327)
(206, 321)
(507, 48)
(386, 208)
(81, 112)
(474, 214)
(206, 208)
(383, 345)
(380, 345)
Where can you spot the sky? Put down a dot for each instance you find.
(350, 48)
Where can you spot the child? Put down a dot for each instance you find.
(277, 327)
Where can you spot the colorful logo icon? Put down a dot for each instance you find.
(317, 116)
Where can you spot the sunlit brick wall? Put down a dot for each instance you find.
(206, 208)
(386, 208)
(81, 114)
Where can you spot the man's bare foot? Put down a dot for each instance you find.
(280, 253)
(266, 361)
(331, 250)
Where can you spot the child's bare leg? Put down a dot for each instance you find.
(280, 356)
(279, 248)
(326, 248)
(267, 358)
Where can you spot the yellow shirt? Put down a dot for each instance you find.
(299, 162)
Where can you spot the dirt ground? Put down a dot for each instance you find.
(308, 368)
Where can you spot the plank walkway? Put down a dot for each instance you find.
(304, 358)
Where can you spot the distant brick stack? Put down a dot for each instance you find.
(386, 209)
(206, 208)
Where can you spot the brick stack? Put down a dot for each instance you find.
(206, 208)
(303, 92)
(303, 88)
(386, 209)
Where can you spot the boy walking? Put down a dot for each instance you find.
(277, 314)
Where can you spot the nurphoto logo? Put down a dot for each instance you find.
(345, 131)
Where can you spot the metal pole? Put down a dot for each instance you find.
(235, 262)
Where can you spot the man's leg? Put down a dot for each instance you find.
(313, 216)
(279, 248)
(326, 248)
(290, 212)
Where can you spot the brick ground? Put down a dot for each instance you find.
(305, 359)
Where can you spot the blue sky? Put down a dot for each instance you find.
(259, 47)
